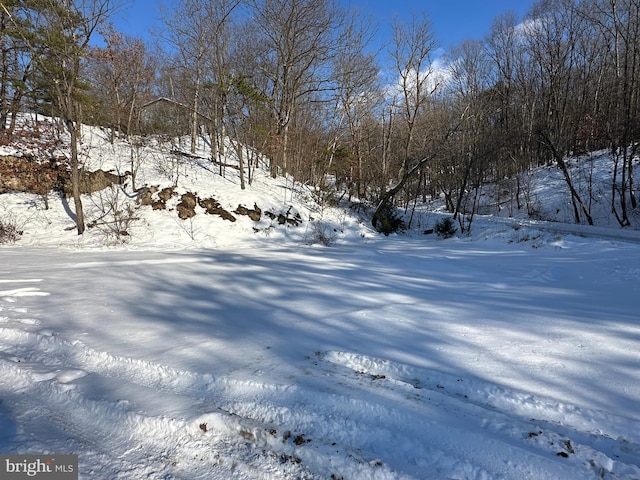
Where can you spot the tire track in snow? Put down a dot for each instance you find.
(23, 292)
(350, 421)
(24, 280)
(559, 429)
(249, 412)
(165, 446)
(270, 417)
(361, 422)
(10, 297)
(40, 372)
(249, 415)
(56, 352)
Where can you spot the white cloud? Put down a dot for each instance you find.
(431, 80)
(528, 28)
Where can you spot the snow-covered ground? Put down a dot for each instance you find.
(204, 349)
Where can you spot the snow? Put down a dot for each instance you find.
(203, 349)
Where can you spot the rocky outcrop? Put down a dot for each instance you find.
(91, 182)
(24, 174)
(187, 207)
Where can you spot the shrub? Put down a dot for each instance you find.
(115, 215)
(387, 219)
(9, 232)
(322, 233)
(446, 227)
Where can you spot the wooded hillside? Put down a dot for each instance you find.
(301, 82)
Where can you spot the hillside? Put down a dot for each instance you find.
(148, 216)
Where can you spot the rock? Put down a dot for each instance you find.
(225, 215)
(165, 194)
(254, 214)
(91, 182)
(187, 206)
(209, 204)
(145, 194)
(212, 207)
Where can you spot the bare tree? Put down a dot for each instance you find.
(553, 47)
(358, 94)
(474, 104)
(189, 33)
(296, 40)
(618, 23)
(412, 50)
(218, 61)
(121, 73)
(515, 107)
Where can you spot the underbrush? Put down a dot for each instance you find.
(10, 232)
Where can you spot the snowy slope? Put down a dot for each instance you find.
(218, 352)
(54, 226)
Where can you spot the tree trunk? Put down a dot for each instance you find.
(75, 175)
(240, 154)
(632, 195)
(194, 119)
(575, 196)
(390, 193)
(463, 186)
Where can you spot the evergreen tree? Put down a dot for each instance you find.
(58, 43)
(15, 61)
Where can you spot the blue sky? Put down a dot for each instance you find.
(453, 20)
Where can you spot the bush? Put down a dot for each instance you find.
(9, 232)
(322, 233)
(446, 227)
(115, 215)
(387, 220)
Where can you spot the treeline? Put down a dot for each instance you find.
(307, 83)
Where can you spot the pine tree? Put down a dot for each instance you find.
(15, 61)
(59, 41)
